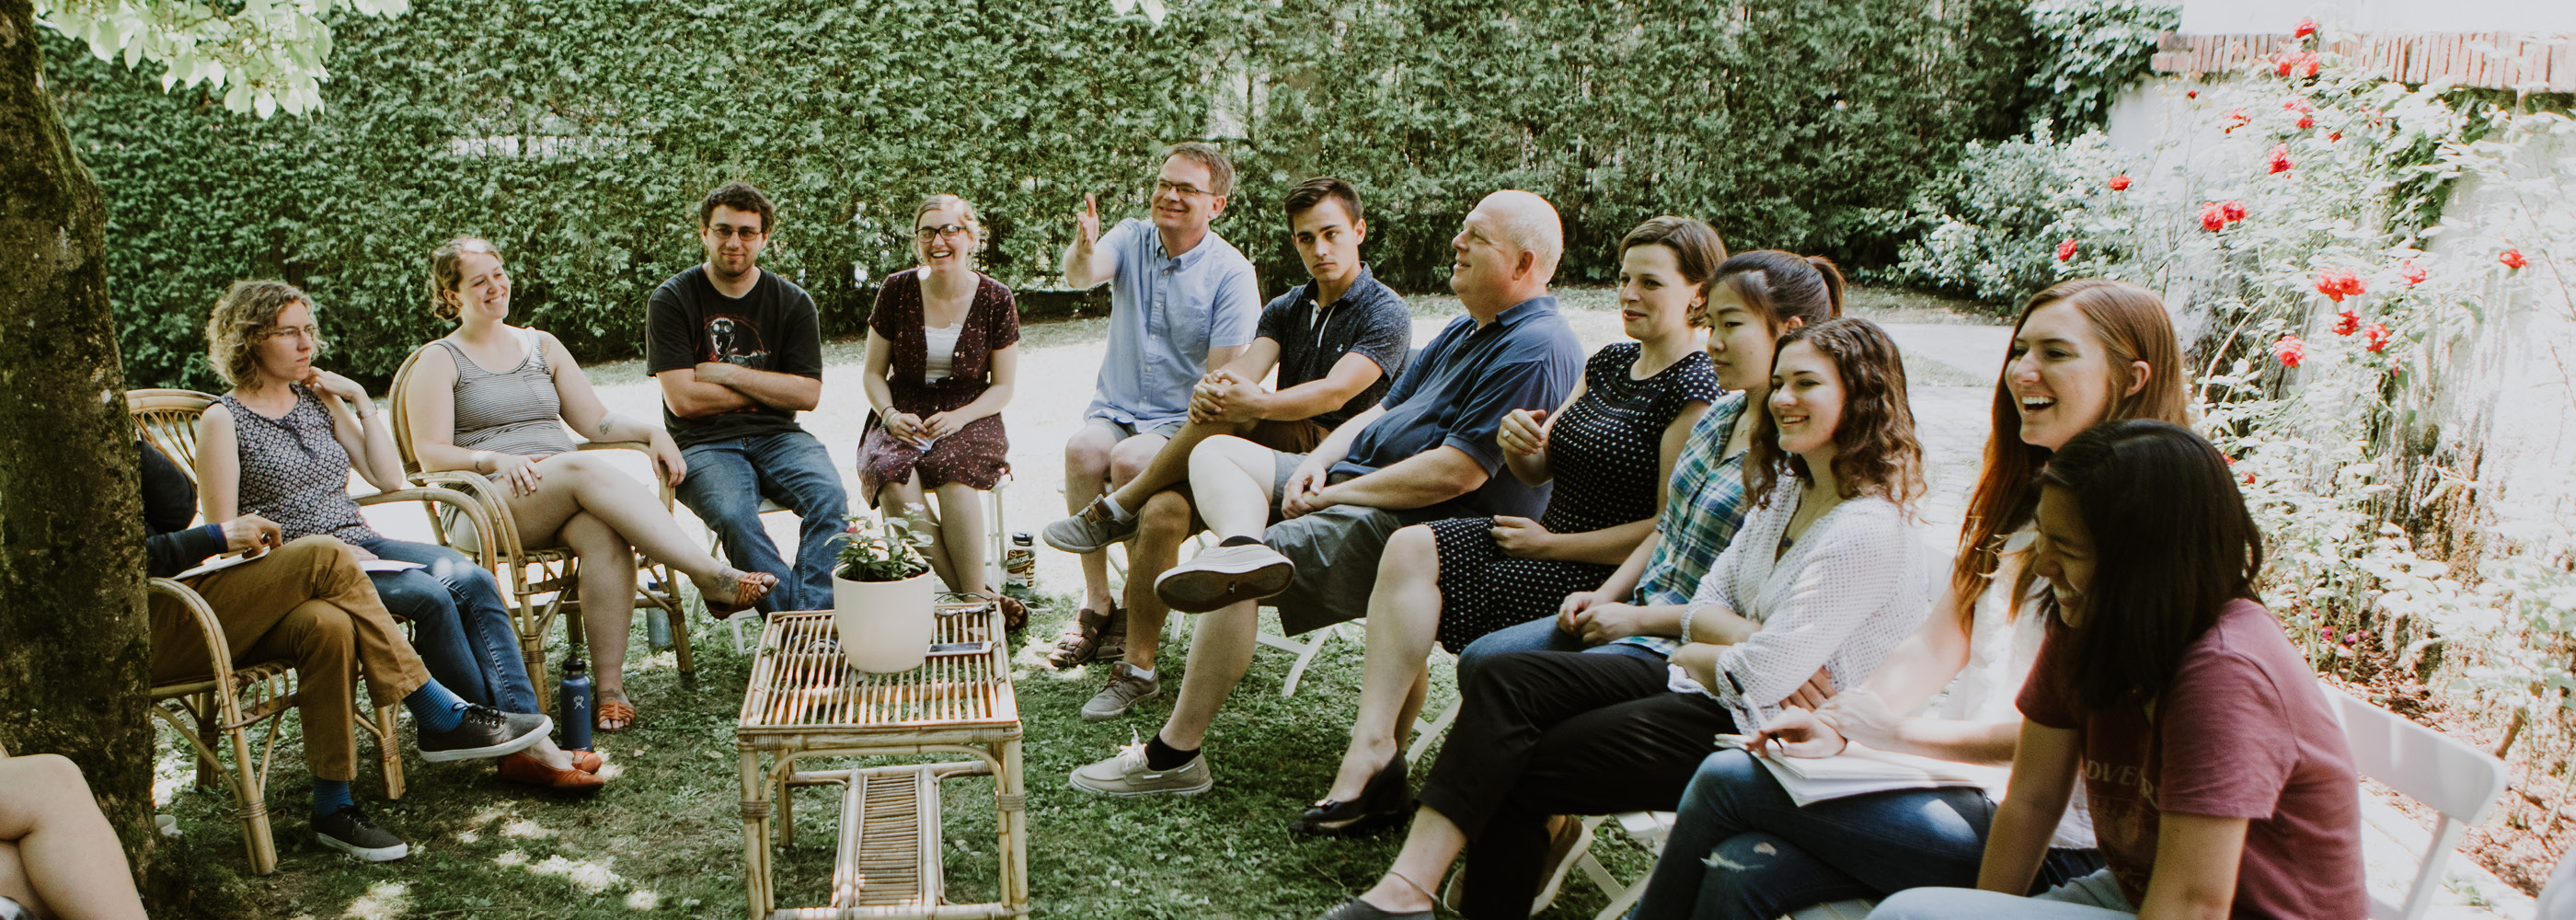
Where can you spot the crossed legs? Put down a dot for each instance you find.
(57, 853)
(1231, 479)
(1102, 450)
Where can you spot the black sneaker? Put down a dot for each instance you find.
(349, 831)
(484, 732)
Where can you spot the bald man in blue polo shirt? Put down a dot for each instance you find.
(1427, 451)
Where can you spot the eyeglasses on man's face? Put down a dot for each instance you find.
(943, 231)
(729, 231)
(1162, 186)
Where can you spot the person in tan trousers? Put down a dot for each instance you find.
(308, 602)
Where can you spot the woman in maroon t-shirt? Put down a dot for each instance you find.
(2218, 777)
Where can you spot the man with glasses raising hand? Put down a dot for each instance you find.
(1182, 303)
(738, 353)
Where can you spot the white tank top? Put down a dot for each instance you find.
(940, 355)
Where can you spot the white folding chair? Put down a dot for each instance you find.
(2454, 779)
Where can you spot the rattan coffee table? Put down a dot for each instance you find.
(805, 701)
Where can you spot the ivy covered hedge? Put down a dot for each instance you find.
(579, 134)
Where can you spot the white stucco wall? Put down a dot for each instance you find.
(2236, 17)
(2506, 390)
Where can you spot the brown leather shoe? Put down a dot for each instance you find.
(526, 770)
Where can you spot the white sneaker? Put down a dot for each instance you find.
(1128, 775)
(1225, 575)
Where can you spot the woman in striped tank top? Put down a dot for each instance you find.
(495, 399)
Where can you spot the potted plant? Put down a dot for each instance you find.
(882, 593)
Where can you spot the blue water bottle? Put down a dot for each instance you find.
(573, 698)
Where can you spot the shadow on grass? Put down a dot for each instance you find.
(664, 838)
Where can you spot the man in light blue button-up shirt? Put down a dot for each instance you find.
(1182, 303)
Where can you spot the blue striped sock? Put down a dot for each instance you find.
(435, 708)
(330, 795)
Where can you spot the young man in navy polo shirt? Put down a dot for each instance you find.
(1428, 451)
(1338, 341)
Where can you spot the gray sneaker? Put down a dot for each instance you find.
(349, 831)
(1090, 531)
(1127, 775)
(1225, 575)
(1124, 689)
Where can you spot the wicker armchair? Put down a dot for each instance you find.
(225, 703)
(542, 580)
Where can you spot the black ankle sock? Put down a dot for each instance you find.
(1160, 756)
(1239, 541)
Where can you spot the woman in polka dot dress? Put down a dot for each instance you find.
(1608, 451)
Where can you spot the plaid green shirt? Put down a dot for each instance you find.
(1700, 516)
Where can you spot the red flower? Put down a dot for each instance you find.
(2279, 159)
(2213, 217)
(2120, 183)
(2296, 104)
(2512, 258)
(2374, 337)
(2249, 477)
(2191, 94)
(2236, 118)
(2307, 121)
(2291, 350)
(2235, 211)
(2411, 273)
(2066, 249)
(2347, 322)
(2307, 27)
(2308, 64)
(2339, 283)
(2335, 136)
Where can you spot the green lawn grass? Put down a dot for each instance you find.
(664, 839)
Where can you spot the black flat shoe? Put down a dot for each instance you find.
(1356, 909)
(1385, 802)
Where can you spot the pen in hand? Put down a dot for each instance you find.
(1751, 711)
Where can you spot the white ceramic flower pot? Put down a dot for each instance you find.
(886, 626)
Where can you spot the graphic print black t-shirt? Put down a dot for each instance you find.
(773, 328)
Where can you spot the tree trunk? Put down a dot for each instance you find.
(74, 645)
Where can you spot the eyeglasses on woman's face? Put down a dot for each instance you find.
(309, 331)
(943, 231)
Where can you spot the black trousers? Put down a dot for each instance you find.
(1560, 733)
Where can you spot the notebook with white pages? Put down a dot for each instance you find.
(1860, 770)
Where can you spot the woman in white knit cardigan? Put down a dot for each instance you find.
(1821, 582)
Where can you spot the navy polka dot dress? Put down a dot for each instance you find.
(1606, 454)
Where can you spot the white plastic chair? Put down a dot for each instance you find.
(2454, 779)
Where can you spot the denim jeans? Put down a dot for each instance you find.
(726, 482)
(1539, 635)
(1741, 849)
(459, 625)
(2092, 897)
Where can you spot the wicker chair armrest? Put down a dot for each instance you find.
(502, 531)
(467, 505)
(193, 606)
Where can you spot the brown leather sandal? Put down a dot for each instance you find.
(1083, 639)
(613, 709)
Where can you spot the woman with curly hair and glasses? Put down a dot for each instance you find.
(1822, 580)
(498, 405)
(281, 445)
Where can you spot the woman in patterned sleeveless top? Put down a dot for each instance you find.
(1608, 450)
(280, 445)
(509, 424)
